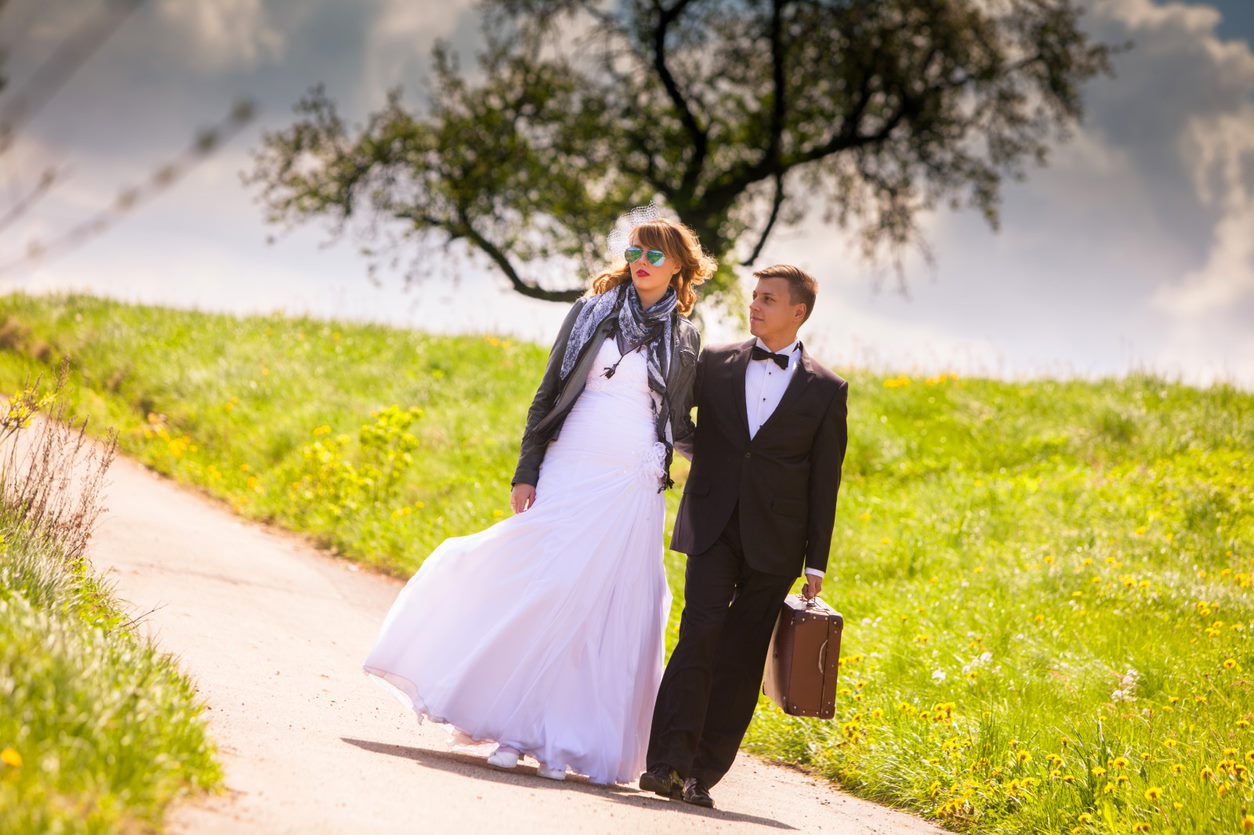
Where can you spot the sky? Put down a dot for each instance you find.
(1132, 251)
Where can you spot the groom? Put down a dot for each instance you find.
(758, 507)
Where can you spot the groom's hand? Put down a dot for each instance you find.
(522, 497)
(813, 586)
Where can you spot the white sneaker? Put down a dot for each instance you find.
(551, 773)
(503, 757)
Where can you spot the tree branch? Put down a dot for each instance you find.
(700, 139)
(776, 202)
(464, 229)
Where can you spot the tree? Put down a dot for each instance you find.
(740, 115)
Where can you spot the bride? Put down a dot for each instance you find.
(544, 632)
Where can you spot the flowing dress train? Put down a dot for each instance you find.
(544, 632)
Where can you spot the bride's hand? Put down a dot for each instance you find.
(522, 497)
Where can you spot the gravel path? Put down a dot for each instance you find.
(273, 631)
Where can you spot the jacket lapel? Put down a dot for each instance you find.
(739, 367)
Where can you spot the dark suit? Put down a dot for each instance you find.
(755, 511)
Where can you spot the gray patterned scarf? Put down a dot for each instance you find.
(634, 327)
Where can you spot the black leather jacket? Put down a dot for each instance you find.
(553, 400)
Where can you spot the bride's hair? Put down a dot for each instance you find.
(678, 242)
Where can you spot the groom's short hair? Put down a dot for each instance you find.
(802, 288)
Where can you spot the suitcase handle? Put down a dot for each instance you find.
(823, 658)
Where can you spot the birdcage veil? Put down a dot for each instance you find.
(620, 233)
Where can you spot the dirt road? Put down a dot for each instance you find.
(273, 632)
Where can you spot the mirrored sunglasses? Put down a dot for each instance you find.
(656, 257)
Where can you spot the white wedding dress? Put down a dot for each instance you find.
(544, 632)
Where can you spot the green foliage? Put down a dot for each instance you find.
(1046, 585)
(98, 730)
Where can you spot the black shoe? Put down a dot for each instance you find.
(663, 780)
(697, 793)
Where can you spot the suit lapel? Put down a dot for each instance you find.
(739, 367)
(800, 378)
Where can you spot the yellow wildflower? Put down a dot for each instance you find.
(1153, 794)
(11, 757)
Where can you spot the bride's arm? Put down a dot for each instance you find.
(681, 420)
(532, 451)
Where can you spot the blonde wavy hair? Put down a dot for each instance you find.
(678, 242)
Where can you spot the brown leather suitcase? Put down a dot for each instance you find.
(800, 673)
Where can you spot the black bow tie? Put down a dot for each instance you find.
(760, 353)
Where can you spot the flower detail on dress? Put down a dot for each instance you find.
(652, 462)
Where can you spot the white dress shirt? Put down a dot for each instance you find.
(765, 383)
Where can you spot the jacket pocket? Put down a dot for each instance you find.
(788, 507)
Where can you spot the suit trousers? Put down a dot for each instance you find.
(711, 684)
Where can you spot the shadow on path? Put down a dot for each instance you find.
(469, 765)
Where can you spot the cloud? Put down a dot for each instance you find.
(1222, 150)
(401, 35)
(224, 34)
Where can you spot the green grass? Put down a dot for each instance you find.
(1046, 585)
(98, 731)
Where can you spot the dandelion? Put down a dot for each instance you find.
(1085, 818)
(1170, 743)
(1140, 826)
(1206, 773)
(11, 758)
(1177, 768)
(1098, 771)
(1119, 762)
(1024, 757)
(1247, 823)
(1153, 794)
(1249, 756)
(1109, 788)
(1230, 664)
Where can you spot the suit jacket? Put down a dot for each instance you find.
(555, 398)
(785, 478)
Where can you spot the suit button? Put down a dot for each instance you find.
(748, 454)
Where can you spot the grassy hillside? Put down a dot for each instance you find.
(1046, 586)
(98, 730)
